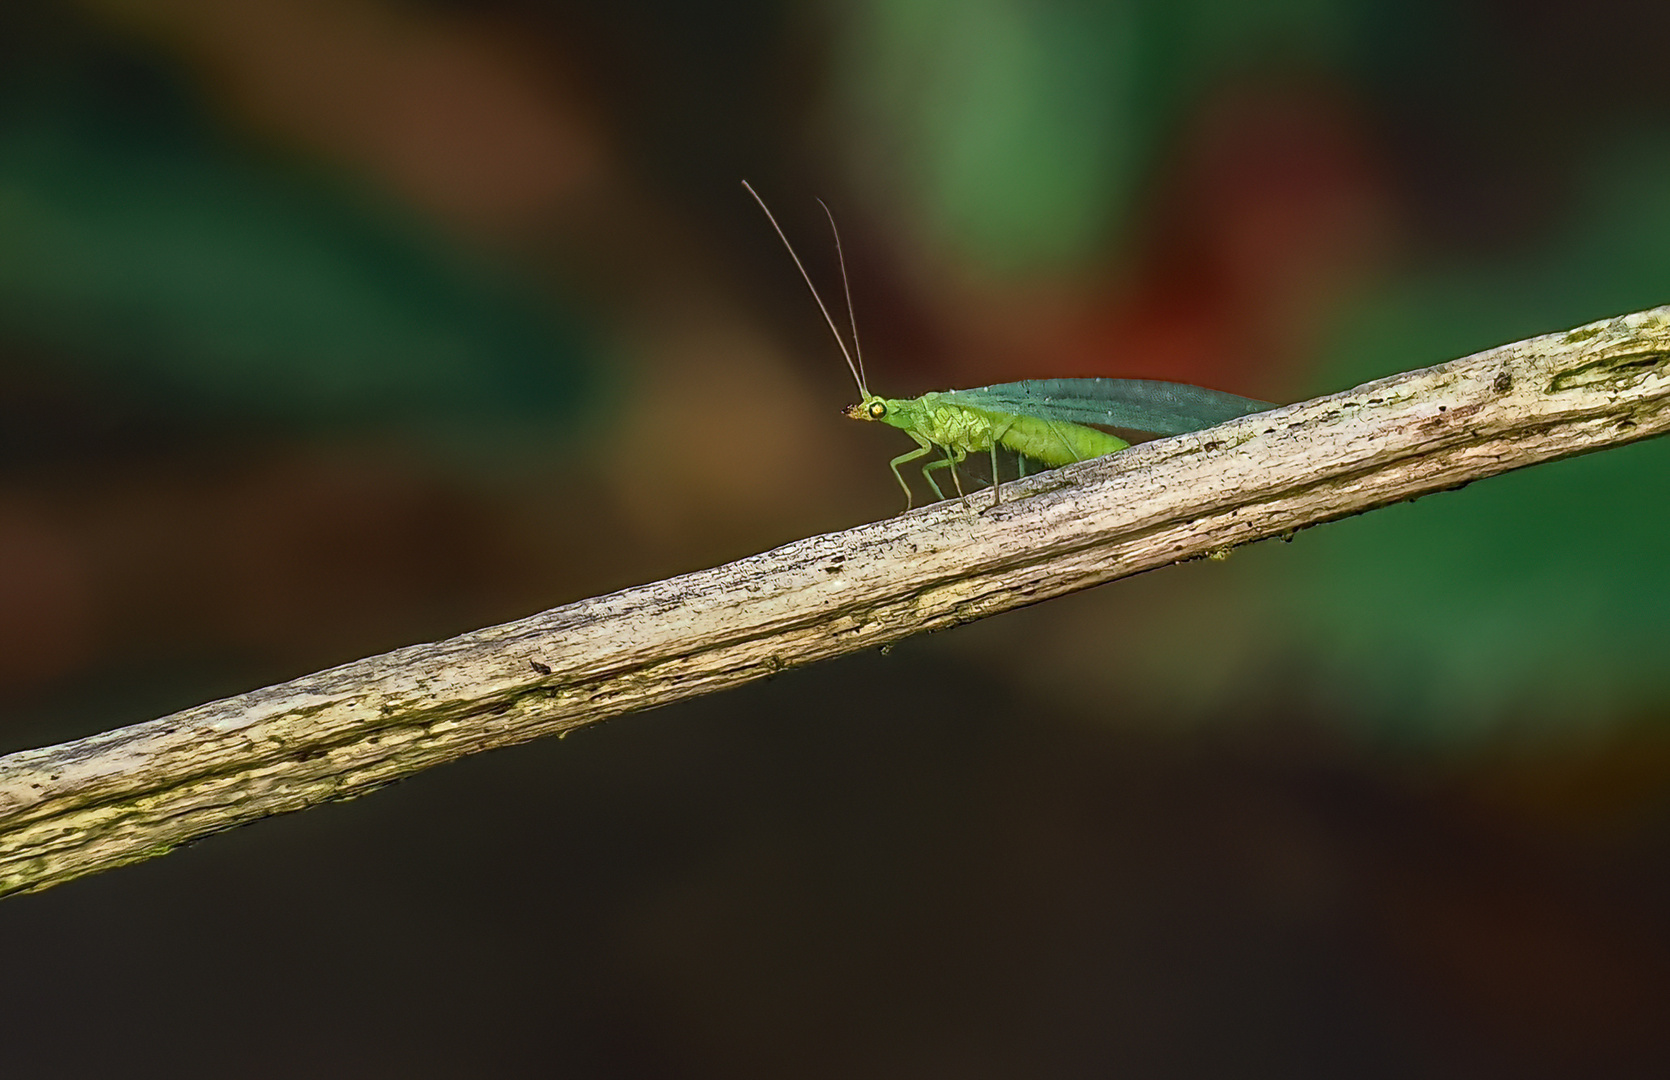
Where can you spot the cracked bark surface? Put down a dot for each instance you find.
(138, 791)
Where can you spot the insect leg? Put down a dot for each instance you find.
(937, 463)
(997, 480)
(947, 462)
(923, 446)
(955, 479)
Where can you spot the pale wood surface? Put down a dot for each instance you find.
(138, 791)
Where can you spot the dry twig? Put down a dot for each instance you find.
(129, 794)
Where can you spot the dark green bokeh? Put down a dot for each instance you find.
(143, 248)
(1537, 597)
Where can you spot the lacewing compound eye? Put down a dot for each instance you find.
(877, 410)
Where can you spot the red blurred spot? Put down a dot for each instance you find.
(46, 609)
(1275, 207)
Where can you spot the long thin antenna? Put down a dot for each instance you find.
(852, 367)
(846, 286)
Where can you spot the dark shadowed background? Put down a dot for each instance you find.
(327, 327)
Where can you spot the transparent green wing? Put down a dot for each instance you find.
(1164, 408)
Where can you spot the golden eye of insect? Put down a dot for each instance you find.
(877, 410)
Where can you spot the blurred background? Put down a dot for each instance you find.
(327, 327)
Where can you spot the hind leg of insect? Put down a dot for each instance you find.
(923, 447)
(997, 479)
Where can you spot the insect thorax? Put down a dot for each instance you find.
(955, 426)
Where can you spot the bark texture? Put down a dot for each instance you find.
(138, 791)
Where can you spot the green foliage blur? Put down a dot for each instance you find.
(208, 275)
(1537, 597)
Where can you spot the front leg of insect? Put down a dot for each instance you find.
(923, 448)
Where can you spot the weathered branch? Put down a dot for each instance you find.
(136, 792)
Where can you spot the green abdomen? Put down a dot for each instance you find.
(1056, 442)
